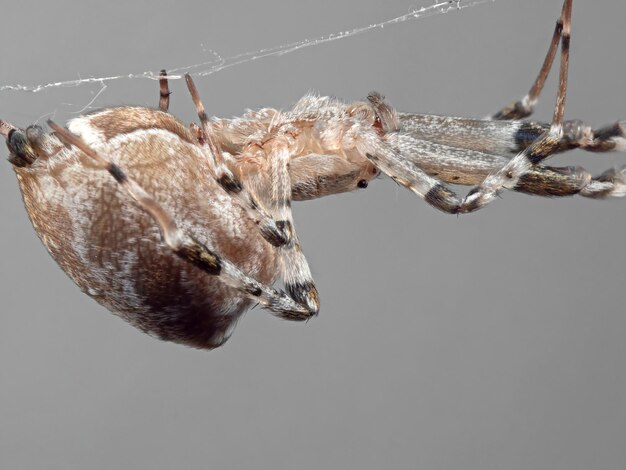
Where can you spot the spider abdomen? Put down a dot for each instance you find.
(113, 249)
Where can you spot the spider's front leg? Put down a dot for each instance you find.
(558, 137)
(386, 155)
(413, 163)
(275, 191)
(26, 146)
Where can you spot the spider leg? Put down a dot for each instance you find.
(576, 135)
(525, 107)
(20, 152)
(26, 146)
(419, 165)
(295, 270)
(508, 137)
(269, 228)
(190, 249)
(164, 89)
(458, 165)
(386, 117)
(569, 181)
(386, 154)
(543, 147)
(6, 128)
(606, 139)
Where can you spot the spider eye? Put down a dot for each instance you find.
(362, 184)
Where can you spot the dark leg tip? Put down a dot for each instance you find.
(305, 293)
(22, 154)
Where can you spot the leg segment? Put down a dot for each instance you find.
(611, 183)
(6, 128)
(295, 270)
(271, 231)
(387, 154)
(189, 249)
(414, 165)
(568, 181)
(164, 99)
(525, 107)
(608, 138)
(578, 135)
(508, 137)
(21, 152)
(27, 146)
(470, 167)
(543, 147)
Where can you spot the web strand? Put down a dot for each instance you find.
(221, 63)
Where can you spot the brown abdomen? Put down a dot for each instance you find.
(113, 250)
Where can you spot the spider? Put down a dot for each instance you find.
(188, 227)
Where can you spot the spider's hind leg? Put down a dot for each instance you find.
(20, 152)
(275, 191)
(26, 146)
(395, 156)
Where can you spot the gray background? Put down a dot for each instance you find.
(495, 340)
